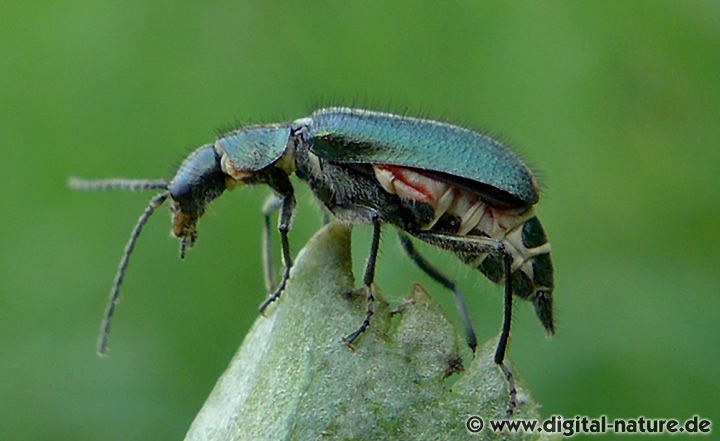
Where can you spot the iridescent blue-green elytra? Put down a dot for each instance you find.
(360, 136)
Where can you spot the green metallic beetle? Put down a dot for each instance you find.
(442, 184)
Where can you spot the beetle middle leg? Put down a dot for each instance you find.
(445, 281)
(480, 245)
(368, 278)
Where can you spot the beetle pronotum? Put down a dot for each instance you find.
(442, 184)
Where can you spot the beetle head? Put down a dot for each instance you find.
(197, 182)
(237, 158)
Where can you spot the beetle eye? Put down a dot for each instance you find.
(198, 181)
(180, 190)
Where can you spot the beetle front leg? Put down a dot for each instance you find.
(368, 278)
(445, 281)
(272, 204)
(280, 183)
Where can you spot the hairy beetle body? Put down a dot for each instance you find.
(445, 185)
(488, 194)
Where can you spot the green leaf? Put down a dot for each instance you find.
(294, 379)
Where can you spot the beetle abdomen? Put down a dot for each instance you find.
(463, 213)
(446, 199)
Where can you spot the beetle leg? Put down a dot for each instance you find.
(368, 279)
(445, 281)
(280, 183)
(479, 245)
(272, 204)
(325, 219)
(505, 335)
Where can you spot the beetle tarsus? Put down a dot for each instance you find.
(350, 338)
(512, 391)
(286, 272)
(275, 294)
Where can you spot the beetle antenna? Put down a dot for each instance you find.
(116, 184)
(155, 202)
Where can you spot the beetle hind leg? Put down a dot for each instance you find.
(467, 247)
(445, 281)
(501, 349)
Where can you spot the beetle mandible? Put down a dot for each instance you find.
(442, 184)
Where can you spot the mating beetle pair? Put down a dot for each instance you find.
(442, 184)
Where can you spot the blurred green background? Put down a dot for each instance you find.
(616, 104)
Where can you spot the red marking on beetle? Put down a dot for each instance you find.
(399, 174)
